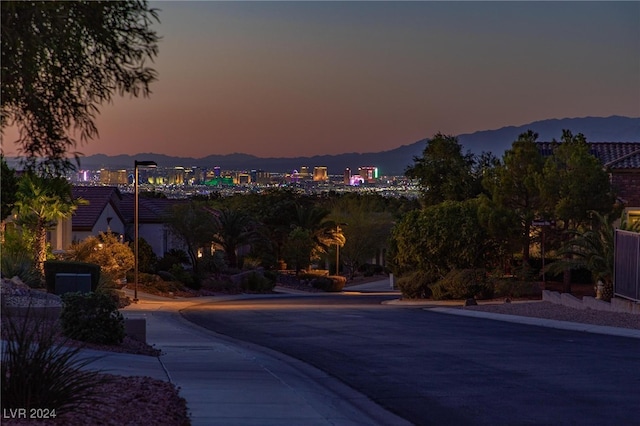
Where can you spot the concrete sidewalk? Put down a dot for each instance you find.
(227, 382)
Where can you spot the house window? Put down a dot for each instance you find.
(633, 217)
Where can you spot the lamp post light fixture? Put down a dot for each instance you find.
(146, 164)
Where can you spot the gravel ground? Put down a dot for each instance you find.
(121, 400)
(554, 311)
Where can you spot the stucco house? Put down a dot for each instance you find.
(100, 212)
(152, 226)
(109, 210)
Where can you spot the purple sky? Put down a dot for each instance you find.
(290, 79)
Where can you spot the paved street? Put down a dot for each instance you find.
(433, 368)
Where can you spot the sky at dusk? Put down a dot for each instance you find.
(288, 79)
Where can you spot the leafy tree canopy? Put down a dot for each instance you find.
(9, 183)
(441, 238)
(61, 61)
(574, 183)
(444, 172)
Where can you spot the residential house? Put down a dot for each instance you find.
(99, 212)
(152, 224)
(106, 209)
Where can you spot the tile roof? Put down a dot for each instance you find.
(615, 155)
(86, 216)
(151, 210)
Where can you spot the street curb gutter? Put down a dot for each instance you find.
(541, 322)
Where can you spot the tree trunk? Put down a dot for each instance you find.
(233, 258)
(566, 281)
(40, 248)
(526, 247)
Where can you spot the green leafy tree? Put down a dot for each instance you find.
(62, 60)
(147, 259)
(574, 183)
(441, 238)
(444, 172)
(369, 223)
(41, 203)
(9, 183)
(194, 223)
(274, 211)
(515, 196)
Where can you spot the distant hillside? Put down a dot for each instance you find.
(395, 161)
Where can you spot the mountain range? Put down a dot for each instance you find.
(395, 161)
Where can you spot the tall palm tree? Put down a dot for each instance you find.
(324, 233)
(40, 203)
(234, 228)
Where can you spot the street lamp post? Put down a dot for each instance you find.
(338, 256)
(148, 164)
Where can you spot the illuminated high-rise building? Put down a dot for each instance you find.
(368, 173)
(347, 176)
(304, 172)
(260, 177)
(113, 177)
(320, 174)
(176, 176)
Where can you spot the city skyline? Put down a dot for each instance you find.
(291, 79)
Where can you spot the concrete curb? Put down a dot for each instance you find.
(541, 322)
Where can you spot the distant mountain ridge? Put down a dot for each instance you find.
(395, 161)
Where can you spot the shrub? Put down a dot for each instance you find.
(39, 371)
(415, 285)
(166, 276)
(185, 277)
(118, 296)
(112, 288)
(147, 259)
(106, 250)
(463, 284)
(223, 285)
(271, 275)
(312, 274)
(172, 257)
(332, 283)
(212, 263)
(257, 282)
(17, 257)
(92, 317)
(511, 287)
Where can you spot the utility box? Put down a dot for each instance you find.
(70, 283)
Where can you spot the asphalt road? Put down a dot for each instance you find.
(437, 369)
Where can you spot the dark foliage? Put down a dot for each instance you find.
(92, 317)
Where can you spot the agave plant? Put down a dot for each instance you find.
(39, 370)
